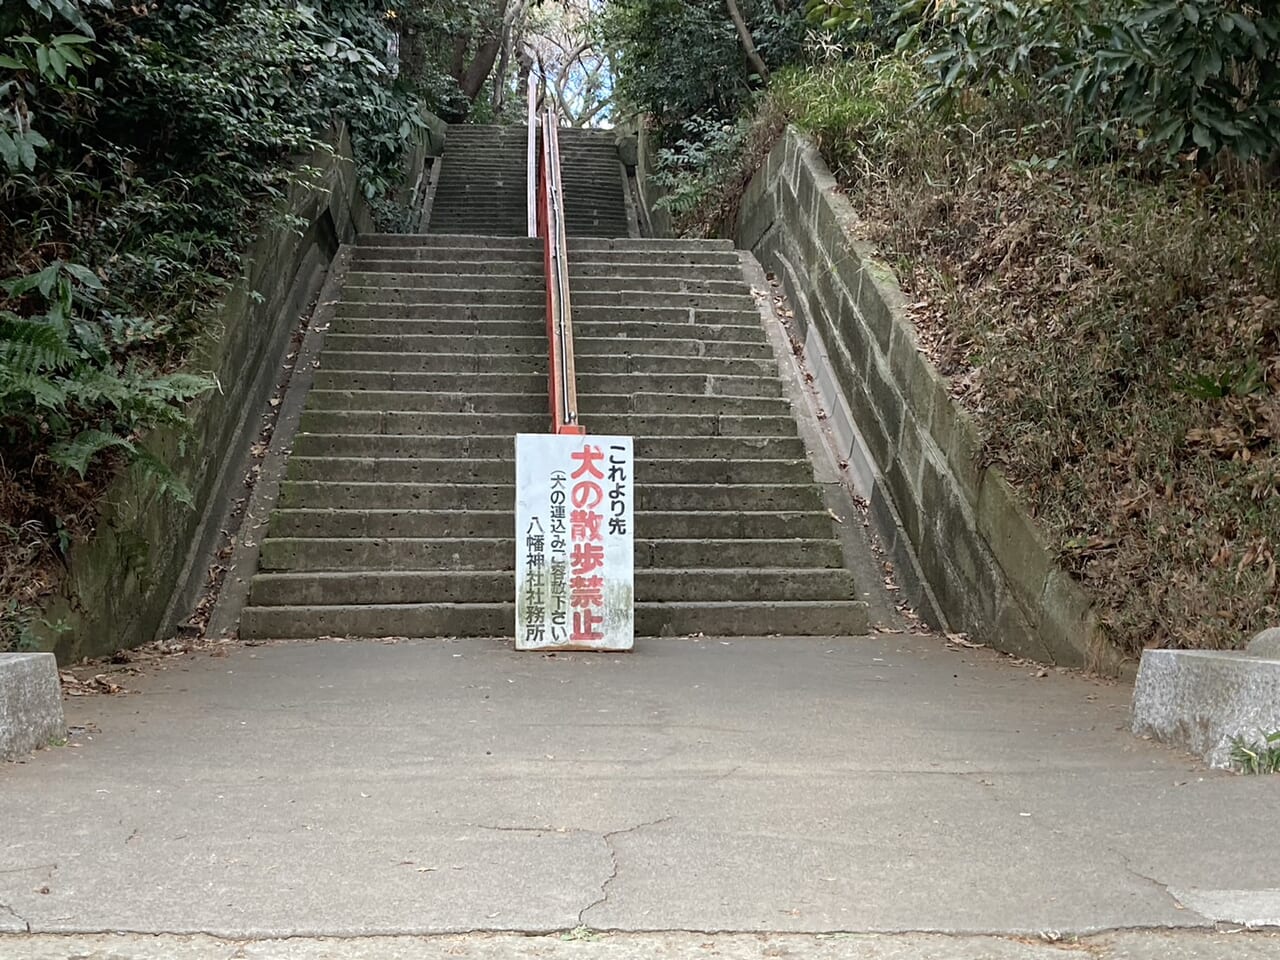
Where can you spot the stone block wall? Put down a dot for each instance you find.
(964, 548)
(143, 570)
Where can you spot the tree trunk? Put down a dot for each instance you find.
(481, 66)
(748, 45)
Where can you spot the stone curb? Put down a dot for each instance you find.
(30, 704)
(1203, 700)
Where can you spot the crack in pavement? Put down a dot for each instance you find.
(1158, 884)
(5, 908)
(607, 838)
(562, 831)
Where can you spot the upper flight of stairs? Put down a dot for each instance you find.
(396, 515)
(593, 184)
(481, 190)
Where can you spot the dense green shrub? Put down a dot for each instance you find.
(1170, 75)
(137, 142)
(140, 146)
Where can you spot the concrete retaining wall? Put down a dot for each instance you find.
(657, 221)
(141, 573)
(965, 550)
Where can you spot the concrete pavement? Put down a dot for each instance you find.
(1153, 945)
(885, 784)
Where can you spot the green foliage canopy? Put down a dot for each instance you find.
(675, 60)
(1172, 75)
(137, 142)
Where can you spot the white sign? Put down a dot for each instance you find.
(575, 558)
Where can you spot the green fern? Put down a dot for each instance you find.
(61, 386)
(76, 453)
(33, 346)
(166, 484)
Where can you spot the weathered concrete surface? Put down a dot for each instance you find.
(1266, 644)
(655, 946)
(1254, 908)
(1202, 700)
(877, 784)
(30, 704)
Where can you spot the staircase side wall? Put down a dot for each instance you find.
(143, 571)
(966, 551)
(658, 219)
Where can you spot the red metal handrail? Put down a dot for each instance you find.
(562, 388)
(531, 166)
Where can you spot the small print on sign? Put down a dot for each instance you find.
(575, 543)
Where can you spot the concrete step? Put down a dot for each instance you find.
(534, 280)
(500, 202)
(609, 297)
(619, 296)
(596, 230)
(479, 470)
(673, 347)
(582, 195)
(533, 253)
(536, 383)
(522, 279)
(496, 159)
(535, 326)
(405, 401)
(592, 405)
(499, 553)
(596, 181)
(387, 294)
(488, 188)
(438, 242)
(406, 423)
(329, 588)
(406, 345)
(511, 229)
(497, 446)
(474, 220)
(631, 247)
(537, 312)
(348, 495)
(648, 246)
(735, 618)
(527, 363)
(390, 269)
(655, 525)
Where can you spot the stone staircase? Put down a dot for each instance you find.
(594, 181)
(481, 190)
(396, 516)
